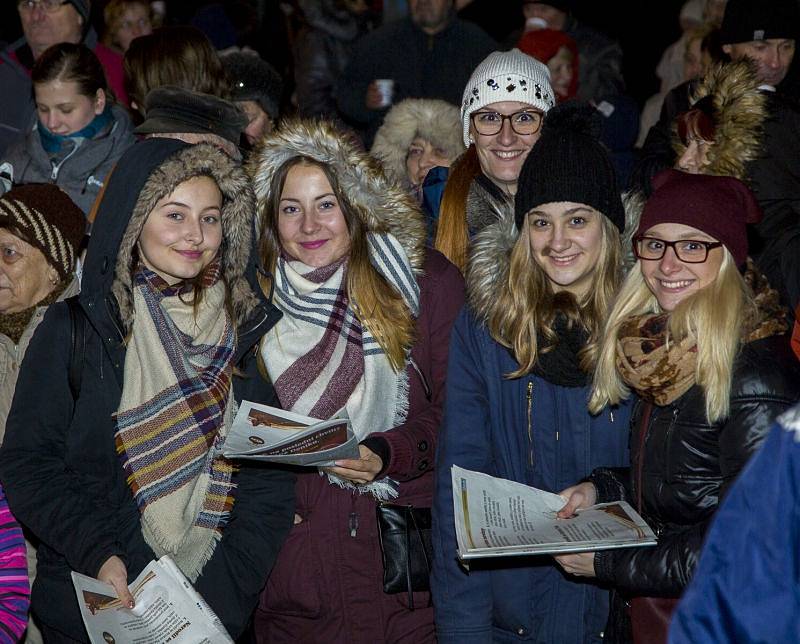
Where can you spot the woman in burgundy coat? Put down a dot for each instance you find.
(367, 312)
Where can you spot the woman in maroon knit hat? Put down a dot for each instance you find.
(704, 348)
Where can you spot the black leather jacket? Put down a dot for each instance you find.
(682, 465)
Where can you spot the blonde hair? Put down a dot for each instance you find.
(717, 329)
(375, 302)
(452, 236)
(526, 305)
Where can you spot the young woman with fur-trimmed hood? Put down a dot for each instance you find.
(123, 464)
(367, 312)
(518, 383)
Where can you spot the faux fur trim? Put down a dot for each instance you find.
(633, 203)
(488, 265)
(740, 109)
(237, 222)
(381, 205)
(434, 120)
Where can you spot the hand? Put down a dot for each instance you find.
(113, 572)
(359, 470)
(580, 564)
(374, 99)
(579, 497)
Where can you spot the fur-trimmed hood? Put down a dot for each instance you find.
(147, 172)
(489, 261)
(379, 203)
(434, 120)
(739, 112)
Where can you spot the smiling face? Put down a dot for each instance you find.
(311, 224)
(560, 67)
(26, 278)
(566, 241)
(501, 155)
(183, 233)
(669, 279)
(62, 109)
(421, 157)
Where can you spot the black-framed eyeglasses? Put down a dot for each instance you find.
(525, 122)
(691, 251)
(50, 6)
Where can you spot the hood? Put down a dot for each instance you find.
(147, 172)
(489, 260)
(434, 120)
(739, 112)
(382, 206)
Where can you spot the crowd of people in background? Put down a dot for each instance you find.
(450, 220)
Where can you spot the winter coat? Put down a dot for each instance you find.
(59, 464)
(81, 166)
(745, 586)
(421, 66)
(600, 64)
(11, 356)
(17, 109)
(327, 585)
(527, 430)
(486, 204)
(687, 464)
(321, 53)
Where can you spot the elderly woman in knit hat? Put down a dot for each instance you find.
(502, 112)
(704, 348)
(41, 230)
(539, 284)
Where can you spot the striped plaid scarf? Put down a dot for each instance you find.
(322, 359)
(174, 415)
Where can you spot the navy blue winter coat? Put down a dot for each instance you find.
(532, 431)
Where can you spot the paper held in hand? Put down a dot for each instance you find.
(499, 518)
(264, 433)
(168, 609)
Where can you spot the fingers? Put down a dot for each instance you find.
(121, 586)
(357, 476)
(114, 572)
(573, 504)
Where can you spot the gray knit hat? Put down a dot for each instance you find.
(506, 76)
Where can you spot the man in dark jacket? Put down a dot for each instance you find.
(431, 54)
(46, 23)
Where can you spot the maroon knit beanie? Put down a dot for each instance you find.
(719, 206)
(48, 220)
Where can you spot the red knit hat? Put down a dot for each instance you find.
(543, 44)
(719, 206)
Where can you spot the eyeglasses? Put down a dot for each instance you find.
(523, 123)
(50, 6)
(691, 251)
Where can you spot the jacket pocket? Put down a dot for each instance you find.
(293, 587)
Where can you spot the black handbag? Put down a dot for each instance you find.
(405, 534)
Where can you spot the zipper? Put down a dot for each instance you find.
(530, 427)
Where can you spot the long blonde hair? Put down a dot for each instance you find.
(527, 306)
(717, 328)
(375, 302)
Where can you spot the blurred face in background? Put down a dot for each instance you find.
(422, 156)
(561, 73)
(63, 110)
(45, 28)
(693, 60)
(430, 15)
(772, 56)
(258, 121)
(135, 22)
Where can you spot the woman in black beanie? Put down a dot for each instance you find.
(521, 356)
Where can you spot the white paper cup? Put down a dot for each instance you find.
(386, 88)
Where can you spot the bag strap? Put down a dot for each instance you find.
(409, 518)
(644, 427)
(77, 346)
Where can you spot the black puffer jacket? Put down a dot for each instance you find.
(686, 465)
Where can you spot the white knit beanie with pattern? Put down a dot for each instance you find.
(506, 76)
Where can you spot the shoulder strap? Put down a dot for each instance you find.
(77, 346)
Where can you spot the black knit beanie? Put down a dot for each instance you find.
(752, 20)
(568, 163)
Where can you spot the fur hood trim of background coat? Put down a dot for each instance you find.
(382, 206)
